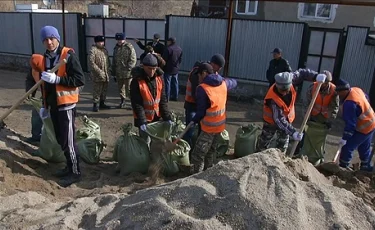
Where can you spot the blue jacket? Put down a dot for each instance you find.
(203, 102)
(350, 113)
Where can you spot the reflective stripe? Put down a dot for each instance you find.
(67, 93)
(154, 102)
(188, 93)
(214, 124)
(214, 114)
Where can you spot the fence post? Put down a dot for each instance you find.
(166, 30)
(229, 38)
(81, 32)
(31, 33)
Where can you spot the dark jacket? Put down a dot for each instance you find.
(74, 77)
(203, 102)
(194, 80)
(30, 82)
(158, 47)
(173, 57)
(137, 101)
(277, 66)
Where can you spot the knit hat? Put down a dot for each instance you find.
(156, 36)
(342, 85)
(150, 60)
(49, 32)
(328, 76)
(205, 67)
(99, 38)
(284, 80)
(172, 39)
(218, 59)
(120, 36)
(276, 51)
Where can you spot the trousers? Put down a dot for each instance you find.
(205, 150)
(189, 114)
(123, 85)
(171, 86)
(99, 91)
(36, 125)
(63, 123)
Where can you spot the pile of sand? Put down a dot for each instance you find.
(261, 191)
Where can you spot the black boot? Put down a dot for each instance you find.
(122, 103)
(102, 105)
(95, 107)
(62, 172)
(69, 179)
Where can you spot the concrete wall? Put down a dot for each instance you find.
(14, 62)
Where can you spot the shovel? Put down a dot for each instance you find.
(332, 166)
(170, 146)
(22, 99)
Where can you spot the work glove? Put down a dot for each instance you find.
(297, 136)
(51, 78)
(321, 78)
(43, 113)
(342, 142)
(143, 127)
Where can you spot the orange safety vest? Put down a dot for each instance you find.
(366, 121)
(214, 120)
(289, 112)
(65, 94)
(150, 104)
(188, 95)
(323, 101)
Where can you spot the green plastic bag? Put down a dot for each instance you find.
(160, 131)
(314, 142)
(89, 141)
(222, 144)
(246, 140)
(49, 149)
(131, 152)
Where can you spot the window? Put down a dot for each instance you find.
(246, 7)
(317, 12)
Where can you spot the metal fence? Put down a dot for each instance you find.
(359, 59)
(25, 39)
(142, 29)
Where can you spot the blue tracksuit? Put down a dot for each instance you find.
(355, 140)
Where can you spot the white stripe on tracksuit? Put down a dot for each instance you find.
(71, 143)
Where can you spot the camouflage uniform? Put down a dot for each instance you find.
(124, 59)
(204, 152)
(265, 138)
(99, 65)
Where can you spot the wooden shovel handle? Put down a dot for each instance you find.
(336, 157)
(183, 132)
(35, 87)
(306, 118)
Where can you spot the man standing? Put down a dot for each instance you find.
(148, 97)
(277, 65)
(173, 57)
(217, 62)
(210, 114)
(99, 65)
(155, 44)
(124, 59)
(31, 79)
(60, 95)
(359, 128)
(278, 109)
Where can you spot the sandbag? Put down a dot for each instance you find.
(222, 144)
(131, 152)
(246, 140)
(89, 141)
(314, 142)
(160, 131)
(49, 149)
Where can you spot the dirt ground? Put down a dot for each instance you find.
(21, 172)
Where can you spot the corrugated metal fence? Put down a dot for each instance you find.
(25, 39)
(359, 59)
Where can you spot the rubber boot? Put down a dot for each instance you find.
(102, 105)
(95, 107)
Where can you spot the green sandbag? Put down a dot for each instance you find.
(222, 144)
(49, 149)
(160, 131)
(89, 142)
(246, 140)
(131, 152)
(314, 142)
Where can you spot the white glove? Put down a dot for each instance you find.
(297, 136)
(342, 142)
(43, 113)
(321, 78)
(51, 78)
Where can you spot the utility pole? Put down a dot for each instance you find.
(228, 40)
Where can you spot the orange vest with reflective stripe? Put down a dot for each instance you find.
(65, 95)
(366, 121)
(188, 96)
(150, 104)
(214, 120)
(323, 101)
(289, 112)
